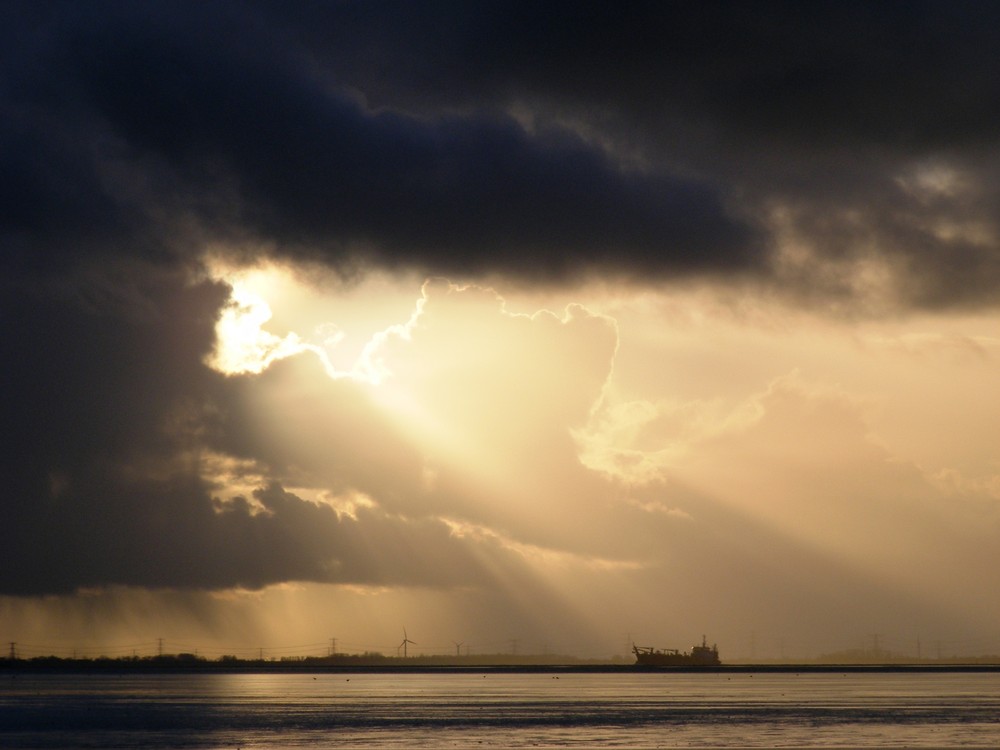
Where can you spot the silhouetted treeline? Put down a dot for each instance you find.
(194, 662)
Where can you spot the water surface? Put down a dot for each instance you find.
(499, 709)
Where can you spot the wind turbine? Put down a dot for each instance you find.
(458, 648)
(404, 643)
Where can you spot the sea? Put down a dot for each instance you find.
(488, 709)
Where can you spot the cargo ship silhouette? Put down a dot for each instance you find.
(699, 656)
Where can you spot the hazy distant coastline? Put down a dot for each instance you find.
(490, 662)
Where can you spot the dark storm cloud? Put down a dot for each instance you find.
(381, 133)
(817, 107)
(214, 116)
(835, 71)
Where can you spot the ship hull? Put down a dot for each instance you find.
(674, 660)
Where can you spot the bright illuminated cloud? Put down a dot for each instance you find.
(570, 467)
(521, 423)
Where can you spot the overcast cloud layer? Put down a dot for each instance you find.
(839, 157)
(540, 141)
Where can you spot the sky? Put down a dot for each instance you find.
(535, 327)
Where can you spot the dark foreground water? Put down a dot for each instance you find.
(478, 709)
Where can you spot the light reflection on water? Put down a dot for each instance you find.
(500, 709)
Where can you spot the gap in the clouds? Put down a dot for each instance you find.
(280, 310)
